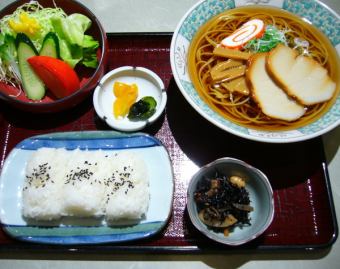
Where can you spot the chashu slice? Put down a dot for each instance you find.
(300, 76)
(272, 100)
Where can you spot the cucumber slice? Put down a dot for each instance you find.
(32, 85)
(50, 46)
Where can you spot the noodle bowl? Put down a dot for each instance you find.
(240, 108)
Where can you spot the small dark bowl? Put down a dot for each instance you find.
(260, 195)
(88, 77)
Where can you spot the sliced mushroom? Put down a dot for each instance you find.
(212, 221)
(212, 212)
(243, 207)
(207, 219)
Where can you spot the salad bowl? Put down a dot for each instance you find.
(88, 75)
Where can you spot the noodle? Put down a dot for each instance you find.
(239, 108)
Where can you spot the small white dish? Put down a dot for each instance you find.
(149, 84)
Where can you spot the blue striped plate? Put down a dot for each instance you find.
(87, 231)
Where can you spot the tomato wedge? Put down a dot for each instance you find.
(57, 75)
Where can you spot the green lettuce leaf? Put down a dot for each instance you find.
(9, 68)
(75, 46)
(67, 55)
(80, 20)
(90, 47)
(8, 51)
(72, 28)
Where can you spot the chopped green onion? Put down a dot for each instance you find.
(270, 39)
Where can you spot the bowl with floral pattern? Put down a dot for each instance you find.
(312, 12)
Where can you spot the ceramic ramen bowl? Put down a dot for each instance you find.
(312, 12)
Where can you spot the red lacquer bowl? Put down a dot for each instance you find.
(89, 77)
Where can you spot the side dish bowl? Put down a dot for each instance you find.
(148, 84)
(88, 77)
(260, 195)
(311, 12)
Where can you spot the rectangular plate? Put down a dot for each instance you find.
(304, 211)
(89, 230)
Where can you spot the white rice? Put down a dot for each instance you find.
(85, 184)
(42, 191)
(126, 195)
(84, 191)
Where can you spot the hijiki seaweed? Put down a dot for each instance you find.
(223, 202)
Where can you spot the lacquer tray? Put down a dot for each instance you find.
(304, 211)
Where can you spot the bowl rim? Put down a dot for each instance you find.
(261, 136)
(135, 126)
(193, 215)
(78, 92)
